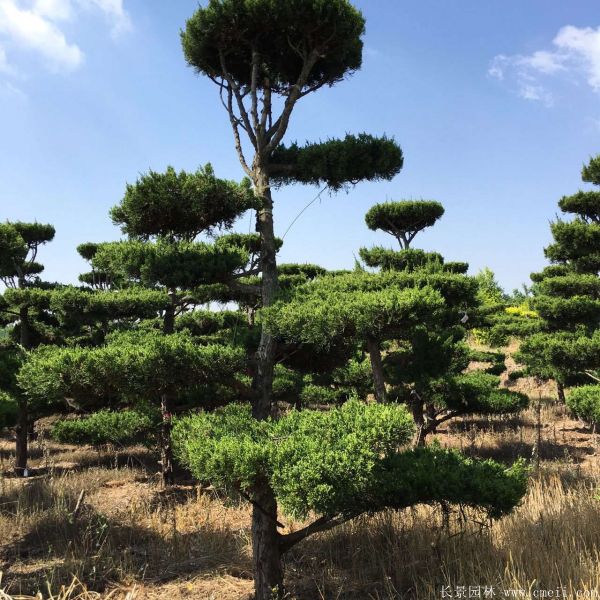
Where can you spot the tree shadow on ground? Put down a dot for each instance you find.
(59, 542)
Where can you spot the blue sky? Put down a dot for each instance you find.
(496, 105)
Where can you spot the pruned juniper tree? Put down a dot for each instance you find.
(567, 299)
(424, 365)
(328, 467)
(135, 370)
(264, 57)
(409, 324)
(163, 215)
(19, 246)
(403, 220)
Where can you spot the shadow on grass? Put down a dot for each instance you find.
(58, 543)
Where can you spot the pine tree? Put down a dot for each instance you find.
(567, 298)
(19, 246)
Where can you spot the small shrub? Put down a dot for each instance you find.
(584, 401)
(107, 427)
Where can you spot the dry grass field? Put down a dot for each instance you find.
(96, 524)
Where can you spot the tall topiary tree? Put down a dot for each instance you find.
(264, 58)
(163, 215)
(567, 298)
(19, 246)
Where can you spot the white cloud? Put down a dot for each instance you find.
(55, 10)
(114, 11)
(36, 25)
(31, 30)
(575, 53)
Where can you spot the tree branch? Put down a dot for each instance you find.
(233, 87)
(277, 131)
(324, 523)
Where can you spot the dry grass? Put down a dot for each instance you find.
(132, 541)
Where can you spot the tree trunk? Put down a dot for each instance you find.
(377, 368)
(166, 451)
(265, 356)
(416, 407)
(22, 434)
(266, 552)
(268, 570)
(169, 320)
(22, 428)
(560, 390)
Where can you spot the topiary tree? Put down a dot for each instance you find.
(133, 367)
(19, 246)
(424, 366)
(264, 58)
(567, 299)
(404, 219)
(330, 467)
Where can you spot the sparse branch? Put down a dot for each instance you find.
(235, 89)
(278, 129)
(254, 95)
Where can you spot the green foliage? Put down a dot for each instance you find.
(226, 33)
(576, 242)
(182, 265)
(180, 206)
(404, 219)
(108, 427)
(591, 171)
(490, 291)
(496, 358)
(141, 365)
(560, 355)
(11, 359)
(432, 475)
(306, 270)
(336, 162)
(324, 312)
(478, 393)
(501, 323)
(567, 293)
(394, 260)
(342, 461)
(584, 204)
(8, 410)
(318, 395)
(19, 243)
(584, 401)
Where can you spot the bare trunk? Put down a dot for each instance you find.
(268, 570)
(169, 320)
(166, 452)
(560, 391)
(22, 434)
(266, 552)
(265, 356)
(377, 368)
(416, 407)
(22, 428)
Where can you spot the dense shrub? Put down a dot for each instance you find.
(108, 427)
(584, 401)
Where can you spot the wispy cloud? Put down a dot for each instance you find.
(575, 53)
(37, 27)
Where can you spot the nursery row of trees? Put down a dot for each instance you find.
(314, 395)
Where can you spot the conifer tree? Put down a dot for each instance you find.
(19, 246)
(567, 298)
(264, 58)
